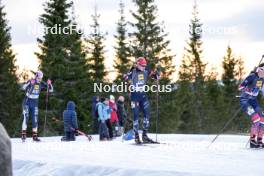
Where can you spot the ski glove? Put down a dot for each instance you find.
(32, 81)
(76, 131)
(49, 82)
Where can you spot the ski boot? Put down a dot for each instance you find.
(137, 139)
(260, 143)
(35, 137)
(23, 135)
(253, 143)
(146, 139)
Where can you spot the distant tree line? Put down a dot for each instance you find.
(199, 102)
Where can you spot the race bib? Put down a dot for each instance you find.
(259, 84)
(141, 77)
(36, 90)
(36, 87)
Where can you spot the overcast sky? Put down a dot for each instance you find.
(239, 23)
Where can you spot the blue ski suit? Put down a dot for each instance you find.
(30, 102)
(250, 88)
(139, 100)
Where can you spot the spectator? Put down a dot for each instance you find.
(121, 112)
(70, 122)
(104, 111)
(95, 100)
(114, 117)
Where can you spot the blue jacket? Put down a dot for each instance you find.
(138, 80)
(70, 117)
(33, 88)
(104, 111)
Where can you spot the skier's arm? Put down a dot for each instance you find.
(47, 85)
(153, 74)
(246, 82)
(25, 86)
(128, 76)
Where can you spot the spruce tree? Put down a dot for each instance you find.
(229, 76)
(192, 74)
(95, 48)
(149, 39)
(63, 60)
(10, 97)
(122, 62)
(233, 72)
(193, 51)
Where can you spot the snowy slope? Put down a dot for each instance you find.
(183, 155)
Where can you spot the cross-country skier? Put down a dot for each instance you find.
(138, 76)
(250, 89)
(33, 88)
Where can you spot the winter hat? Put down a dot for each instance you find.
(142, 61)
(39, 74)
(102, 99)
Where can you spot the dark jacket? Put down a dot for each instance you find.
(121, 112)
(94, 102)
(70, 117)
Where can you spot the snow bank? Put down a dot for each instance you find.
(182, 155)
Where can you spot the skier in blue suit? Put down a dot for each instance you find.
(250, 89)
(33, 88)
(138, 76)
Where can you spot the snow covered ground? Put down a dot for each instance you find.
(182, 155)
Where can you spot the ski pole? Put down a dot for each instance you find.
(46, 110)
(226, 124)
(56, 120)
(82, 133)
(157, 102)
(124, 125)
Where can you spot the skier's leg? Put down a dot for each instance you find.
(146, 108)
(135, 110)
(144, 105)
(35, 119)
(260, 128)
(34, 108)
(25, 120)
(249, 106)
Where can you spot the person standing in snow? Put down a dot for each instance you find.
(121, 112)
(70, 122)
(104, 111)
(33, 88)
(138, 76)
(113, 116)
(95, 100)
(250, 89)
